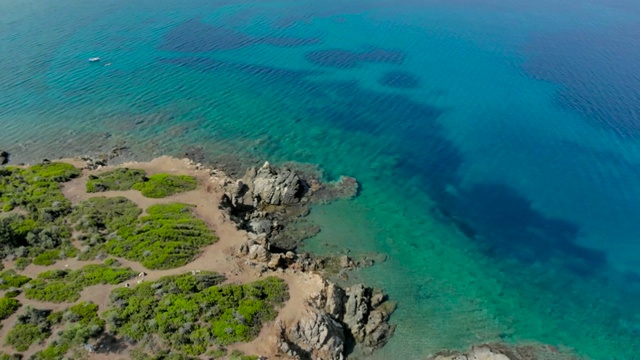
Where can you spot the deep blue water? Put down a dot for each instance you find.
(497, 143)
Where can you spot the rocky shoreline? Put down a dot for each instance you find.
(269, 203)
(265, 202)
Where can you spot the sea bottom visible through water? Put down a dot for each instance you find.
(479, 188)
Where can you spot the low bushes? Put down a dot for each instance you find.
(168, 237)
(37, 192)
(11, 279)
(192, 313)
(32, 327)
(82, 325)
(104, 214)
(154, 186)
(119, 179)
(163, 185)
(64, 285)
(8, 306)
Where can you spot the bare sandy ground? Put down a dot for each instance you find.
(217, 257)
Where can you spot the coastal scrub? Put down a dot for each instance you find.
(190, 313)
(120, 179)
(154, 186)
(33, 326)
(65, 285)
(8, 306)
(163, 185)
(169, 236)
(40, 224)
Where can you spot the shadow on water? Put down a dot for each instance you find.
(345, 59)
(506, 225)
(399, 79)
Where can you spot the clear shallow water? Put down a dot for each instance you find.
(498, 145)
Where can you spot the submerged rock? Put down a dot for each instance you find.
(501, 351)
(4, 157)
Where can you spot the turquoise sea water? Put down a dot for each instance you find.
(497, 143)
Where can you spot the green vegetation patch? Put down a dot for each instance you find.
(154, 186)
(163, 185)
(82, 325)
(36, 191)
(32, 327)
(65, 285)
(169, 236)
(47, 258)
(192, 313)
(8, 306)
(11, 279)
(120, 179)
(104, 214)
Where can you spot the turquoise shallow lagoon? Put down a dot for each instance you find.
(497, 143)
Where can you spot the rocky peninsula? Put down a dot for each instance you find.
(169, 259)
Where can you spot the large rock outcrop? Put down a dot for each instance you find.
(316, 336)
(334, 316)
(272, 186)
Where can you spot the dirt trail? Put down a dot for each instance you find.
(217, 257)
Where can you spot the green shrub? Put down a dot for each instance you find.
(4, 356)
(37, 191)
(11, 279)
(54, 171)
(22, 336)
(104, 215)
(163, 185)
(47, 258)
(8, 306)
(81, 323)
(22, 263)
(12, 293)
(65, 285)
(192, 312)
(119, 179)
(169, 237)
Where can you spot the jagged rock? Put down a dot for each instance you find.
(334, 304)
(97, 162)
(274, 186)
(4, 157)
(377, 299)
(276, 261)
(345, 262)
(260, 226)
(356, 310)
(316, 336)
(258, 253)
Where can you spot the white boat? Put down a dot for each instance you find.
(94, 59)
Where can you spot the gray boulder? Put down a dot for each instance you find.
(316, 336)
(356, 311)
(272, 186)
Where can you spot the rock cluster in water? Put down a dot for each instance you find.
(500, 351)
(271, 199)
(265, 202)
(334, 317)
